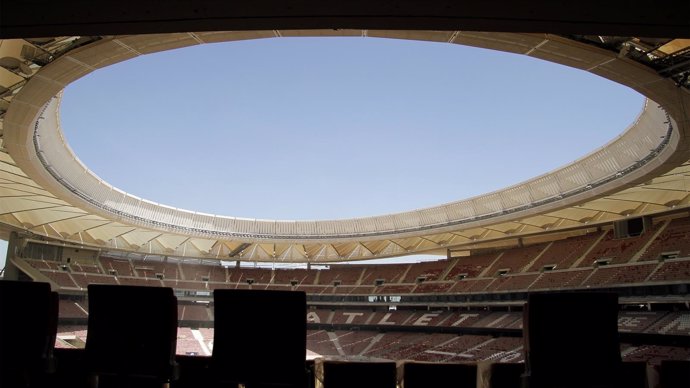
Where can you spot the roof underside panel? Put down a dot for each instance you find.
(61, 198)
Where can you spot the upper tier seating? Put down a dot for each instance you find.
(45, 264)
(395, 289)
(318, 290)
(344, 274)
(201, 272)
(185, 285)
(429, 271)
(439, 277)
(433, 288)
(672, 270)
(564, 253)
(361, 290)
(516, 259)
(84, 279)
(634, 273)
(152, 269)
(118, 267)
(471, 285)
(513, 282)
(674, 239)
(389, 273)
(85, 268)
(471, 266)
(552, 280)
(298, 276)
(246, 275)
(618, 251)
(61, 278)
(127, 281)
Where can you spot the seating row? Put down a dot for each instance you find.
(673, 270)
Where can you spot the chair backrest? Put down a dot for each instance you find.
(132, 331)
(260, 337)
(415, 374)
(571, 339)
(505, 375)
(28, 327)
(360, 374)
(675, 373)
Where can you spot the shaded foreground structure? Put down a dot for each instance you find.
(126, 352)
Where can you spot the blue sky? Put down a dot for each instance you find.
(314, 128)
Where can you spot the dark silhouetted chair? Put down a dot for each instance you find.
(194, 372)
(28, 327)
(349, 374)
(260, 338)
(415, 374)
(571, 340)
(71, 369)
(132, 334)
(675, 374)
(634, 375)
(502, 375)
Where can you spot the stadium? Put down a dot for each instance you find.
(616, 222)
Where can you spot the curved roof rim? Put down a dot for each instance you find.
(406, 222)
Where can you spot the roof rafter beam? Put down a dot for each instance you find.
(64, 219)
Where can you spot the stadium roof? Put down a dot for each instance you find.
(46, 191)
